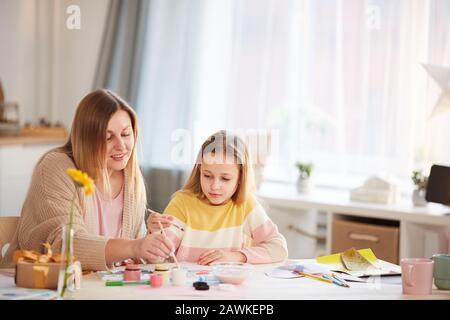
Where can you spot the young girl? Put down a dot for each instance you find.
(109, 225)
(216, 218)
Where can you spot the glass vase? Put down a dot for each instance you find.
(65, 279)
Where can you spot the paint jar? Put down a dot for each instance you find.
(132, 272)
(178, 277)
(163, 270)
(156, 280)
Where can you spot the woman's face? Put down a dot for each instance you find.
(219, 178)
(119, 141)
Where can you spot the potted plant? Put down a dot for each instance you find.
(304, 181)
(420, 181)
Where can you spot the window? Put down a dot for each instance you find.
(341, 82)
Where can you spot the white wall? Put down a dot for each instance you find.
(44, 66)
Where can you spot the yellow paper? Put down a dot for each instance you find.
(335, 259)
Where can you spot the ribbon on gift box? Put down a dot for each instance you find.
(41, 267)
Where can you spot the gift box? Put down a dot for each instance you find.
(37, 275)
(41, 271)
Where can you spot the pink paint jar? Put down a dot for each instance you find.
(156, 280)
(132, 273)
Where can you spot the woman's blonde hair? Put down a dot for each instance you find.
(228, 145)
(87, 142)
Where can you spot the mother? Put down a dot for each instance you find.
(109, 226)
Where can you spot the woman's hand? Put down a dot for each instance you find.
(153, 247)
(221, 255)
(154, 217)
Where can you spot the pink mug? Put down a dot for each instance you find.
(417, 276)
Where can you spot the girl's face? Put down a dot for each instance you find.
(219, 178)
(119, 141)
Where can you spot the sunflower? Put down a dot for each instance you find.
(82, 180)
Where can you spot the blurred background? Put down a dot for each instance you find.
(338, 84)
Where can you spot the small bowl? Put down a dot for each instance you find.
(231, 272)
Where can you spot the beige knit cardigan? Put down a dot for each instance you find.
(46, 209)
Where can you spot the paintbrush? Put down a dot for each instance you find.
(172, 254)
(173, 224)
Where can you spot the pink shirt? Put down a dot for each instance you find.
(109, 214)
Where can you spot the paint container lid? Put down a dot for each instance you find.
(133, 267)
(161, 267)
(200, 285)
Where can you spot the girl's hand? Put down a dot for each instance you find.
(154, 217)
(153, 247)
(220, 255)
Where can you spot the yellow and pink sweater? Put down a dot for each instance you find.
(199, 227)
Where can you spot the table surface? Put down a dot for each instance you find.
(257, 287)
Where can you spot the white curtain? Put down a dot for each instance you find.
(119, 61)
(339, 82)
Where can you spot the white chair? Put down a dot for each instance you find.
(8, 227)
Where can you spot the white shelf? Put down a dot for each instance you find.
(338, 201)
(423, 230)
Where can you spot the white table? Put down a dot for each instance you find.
(258, 287)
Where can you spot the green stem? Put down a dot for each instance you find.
(68, 246)
(71, 208)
